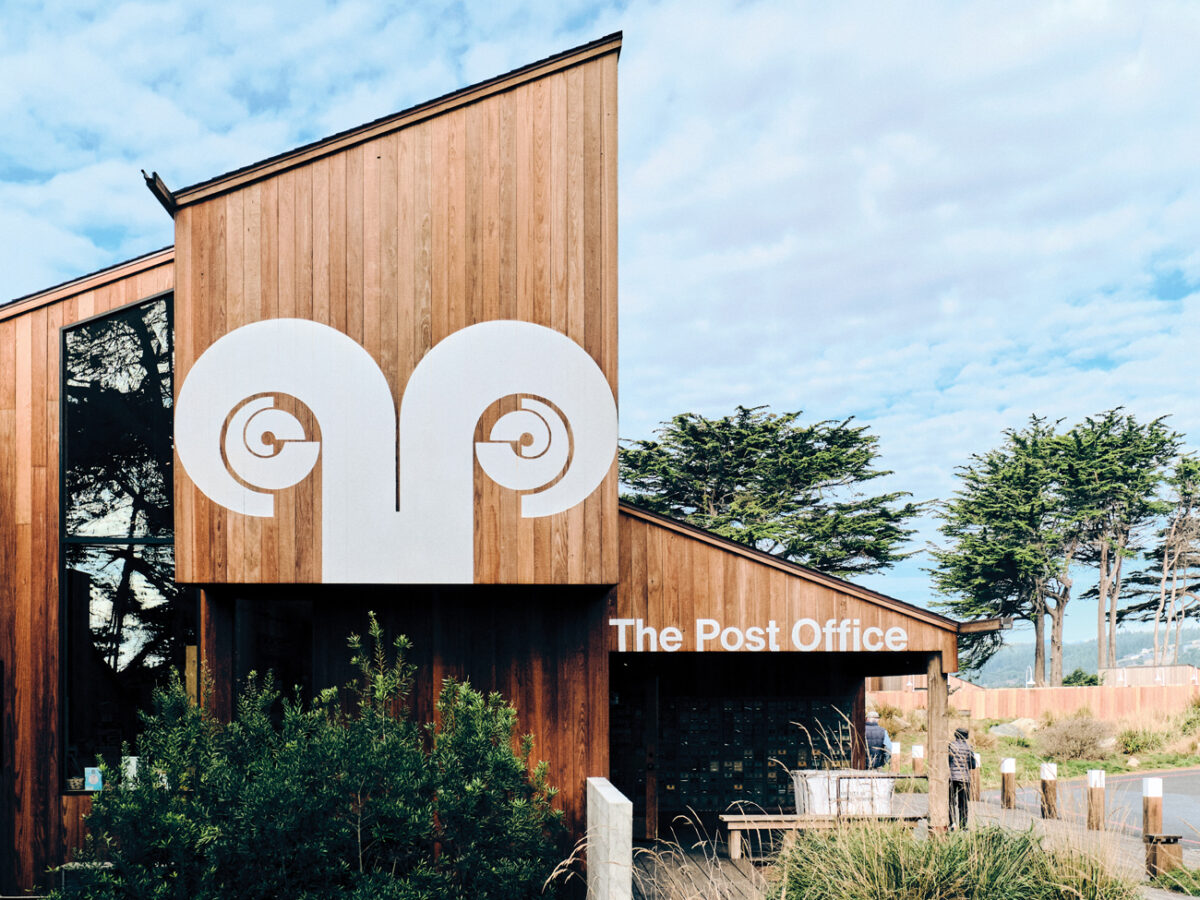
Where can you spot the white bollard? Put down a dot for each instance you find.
(1152, 806)
(1008, 783)
(1049, 790)
(1095, 801)
(918, 757)
(895, 756)
(977, 778)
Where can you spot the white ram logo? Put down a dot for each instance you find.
(237, 445)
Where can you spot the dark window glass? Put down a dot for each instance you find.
(117, 426)
(127, 624)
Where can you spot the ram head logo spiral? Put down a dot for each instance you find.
(239, 443)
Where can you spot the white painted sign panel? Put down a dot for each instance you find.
(238, 446)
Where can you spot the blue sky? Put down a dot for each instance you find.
(938, 217)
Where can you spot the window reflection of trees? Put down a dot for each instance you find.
(128, 623)
(118, 425)
(129, 602)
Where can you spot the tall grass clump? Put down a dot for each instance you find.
(1189, 720)
(1140, 740)
(990, 863)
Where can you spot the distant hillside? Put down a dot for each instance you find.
(1008, 667)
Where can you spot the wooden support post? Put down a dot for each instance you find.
(216, 633)
(1095, 800)
(918, 758)
(1008, 783)
(977, 779)
(895, 756)
(1049, 790)
(191, 671)
(650, 741)
(1151, 806)
(938, 724)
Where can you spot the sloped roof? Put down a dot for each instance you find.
(87, 282)
(340, 141)
(795, 569)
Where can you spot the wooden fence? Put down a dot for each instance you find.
(1105, 702)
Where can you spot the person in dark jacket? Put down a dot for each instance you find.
(879, 743)
(962, 761)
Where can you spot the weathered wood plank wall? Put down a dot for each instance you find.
(672, 575)
(30, 349)
(500, 206)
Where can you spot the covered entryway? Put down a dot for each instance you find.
(730, 667)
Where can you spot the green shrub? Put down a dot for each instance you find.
(1078, 737)
(1140, 740)
(1080, 678)
(868, 862)
(346, 797)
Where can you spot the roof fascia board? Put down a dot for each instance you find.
(829, 581)
(223, 184)
(86, 283)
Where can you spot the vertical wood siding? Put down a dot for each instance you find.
(505, 207)
(31, 820)
(672, 576)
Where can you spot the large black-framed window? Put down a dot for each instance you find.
(127, 623)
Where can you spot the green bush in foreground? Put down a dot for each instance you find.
(338, 799)
(991, 863)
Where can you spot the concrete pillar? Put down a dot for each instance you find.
(609, 842)
(937, 705)
(1049, 790)
(1095, 800)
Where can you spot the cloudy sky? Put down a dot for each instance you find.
(938, 217)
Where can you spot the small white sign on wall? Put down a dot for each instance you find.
(803, 635)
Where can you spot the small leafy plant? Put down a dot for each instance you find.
(345, 797)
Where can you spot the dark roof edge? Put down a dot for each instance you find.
(832, 581)
(90, 281)
(187, 195)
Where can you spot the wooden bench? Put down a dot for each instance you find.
(736, 823)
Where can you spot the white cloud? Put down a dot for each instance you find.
(939, 217)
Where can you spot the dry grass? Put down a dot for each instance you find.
(990, 863)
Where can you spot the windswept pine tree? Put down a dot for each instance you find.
(768, 480)
(1169, 588)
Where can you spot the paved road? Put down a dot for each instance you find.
(1181, 802)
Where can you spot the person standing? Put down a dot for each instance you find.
(879, 743)
(962, 761)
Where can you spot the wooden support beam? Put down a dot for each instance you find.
(939, 745)
(216, 654)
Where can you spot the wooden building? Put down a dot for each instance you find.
(380, 372)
